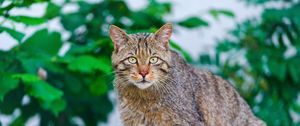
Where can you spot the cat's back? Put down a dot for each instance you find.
(220, 103)
(216, 100)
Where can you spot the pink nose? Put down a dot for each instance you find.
(143, 73)
(143, 70)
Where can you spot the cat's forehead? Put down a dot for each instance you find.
(141, 36)
(144, 43)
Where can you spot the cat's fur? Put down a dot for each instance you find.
(173, 92)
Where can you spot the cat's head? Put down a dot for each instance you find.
(141, 59)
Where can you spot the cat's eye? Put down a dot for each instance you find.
(132, 60)
(153, 60)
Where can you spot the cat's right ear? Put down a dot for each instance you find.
(163, 34)
(118, 36)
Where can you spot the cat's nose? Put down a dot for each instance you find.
(143, 70)
(143, 73)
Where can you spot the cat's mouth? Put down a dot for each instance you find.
(143, 84)
(144, 81)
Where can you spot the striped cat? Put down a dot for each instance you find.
(156, 87)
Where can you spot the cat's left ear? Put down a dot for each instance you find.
(118, 36)
(163, 34)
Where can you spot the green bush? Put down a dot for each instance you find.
(262, 58)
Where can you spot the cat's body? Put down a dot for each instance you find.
(193, 97)
(175, 92)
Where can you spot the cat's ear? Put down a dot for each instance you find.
(118, 36)
(163, 34)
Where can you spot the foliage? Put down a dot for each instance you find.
(76, 84)
(261, 57)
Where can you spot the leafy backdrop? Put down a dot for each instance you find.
(261, 57)
(76, 84)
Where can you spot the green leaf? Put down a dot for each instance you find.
(216, 13)
(27, 78)
(73, 83)
(99, 87)
(88, 64)
(11, 101)
(52, 10)
(7, 83)
(85, 7)
(72, 21)
(226, 46)
(13, 33)
(293, 71)
(278, 69)
(158, 9)
(33, 63)
(43, 42)
(43, 91)
(80, 49)
(38, 88)
(117, 8)
(296, 107)
(55, 106)
(32, 21)
(205, 59)
(19, 121)
(193, 22)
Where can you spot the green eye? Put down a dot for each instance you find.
(132, 60)
(153, 60)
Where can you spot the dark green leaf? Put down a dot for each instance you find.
(15, 34)
(27, 78)
(17, 122)
(73, 83)
(118, 8)
(88, 64)
(11, 101)
(205, 59)
(99, 87)
(43, 91)
(52, 10)
(55, 106)
(226, 46)
(85, 7)
(43, 42)
(38, 88)
(295, 74)
(193, 22)
(296, 106)
(7, 83)
(278, 69)
(158, 9)
(216, 13)
(28, 20)
(72, 21)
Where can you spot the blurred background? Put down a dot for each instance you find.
(55, 64)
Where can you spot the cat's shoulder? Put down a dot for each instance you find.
(180, 61)
(202, 72)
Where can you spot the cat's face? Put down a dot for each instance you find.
(141, 59)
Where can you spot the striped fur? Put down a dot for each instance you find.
(175, 93)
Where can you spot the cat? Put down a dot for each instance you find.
(156, 87)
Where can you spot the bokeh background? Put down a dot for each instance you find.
(55, 55)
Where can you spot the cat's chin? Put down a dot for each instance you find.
(143, 85)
